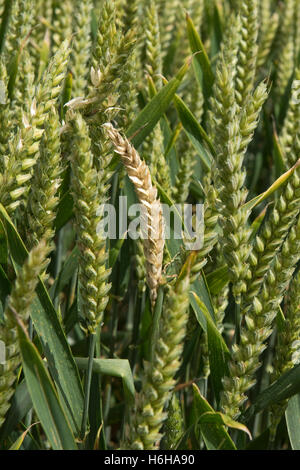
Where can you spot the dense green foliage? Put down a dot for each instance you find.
(123, 343)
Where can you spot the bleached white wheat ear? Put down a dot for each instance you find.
(152, 217)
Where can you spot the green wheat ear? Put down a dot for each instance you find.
(272, 235)
(285, 47)
(86, 186)
(158, 377)
(247, 53)
(180, 190)
(153, 59)
(290, 131)
(20, 300)
(24, 146)
(288, 346)
(167, 16)
(269, 22)
(81, 46)
(259, 325)
(43, 195)
(62, 16)
(233, 130)
(19, 26)
(174, 425)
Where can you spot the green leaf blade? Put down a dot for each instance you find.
(214, 434)
(49, 330)
(44, 397)
(292, 416)
(155, 109)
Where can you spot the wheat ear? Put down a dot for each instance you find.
(288, 347)
(140, 176)
(62, 22)
(258, 325)
(19, 301)
(158, 377)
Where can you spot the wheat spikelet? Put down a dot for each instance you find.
(174, 425)
(288, 346)
(39, 34)
(139, 174)
(211, 218)
(130, 14)
(228, 54)
(24, 86)
(131, 73)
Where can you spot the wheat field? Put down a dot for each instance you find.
(150, 225)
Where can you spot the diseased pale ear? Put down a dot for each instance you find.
(153, 236)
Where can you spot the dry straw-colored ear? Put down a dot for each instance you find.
(153, 238)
